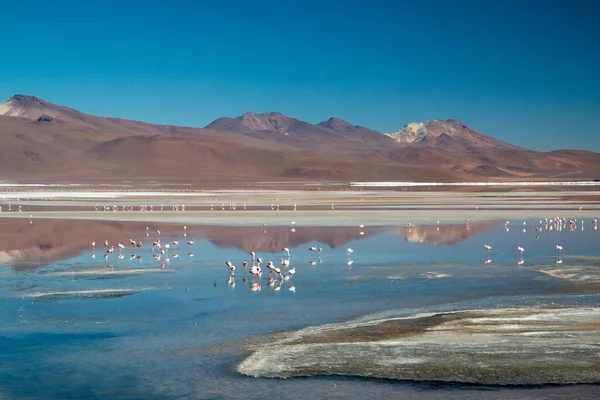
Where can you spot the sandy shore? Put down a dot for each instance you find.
(309, 218)
(315, 208)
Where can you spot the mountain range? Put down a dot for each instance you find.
(42, 140)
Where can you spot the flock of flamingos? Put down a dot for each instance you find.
(276, 275)
(162, 252)
(284, 272)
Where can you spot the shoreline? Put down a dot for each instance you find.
(306, 218)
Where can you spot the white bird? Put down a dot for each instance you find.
(313, 248)
(349, 251)
(559, 248)
(487, 247)
(292, 271)
(231, 267)
(520, 249)
(255, 270)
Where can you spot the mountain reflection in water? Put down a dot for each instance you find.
(28, 245)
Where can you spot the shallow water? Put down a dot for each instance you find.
(74, 326)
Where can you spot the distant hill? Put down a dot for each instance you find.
(44, 141)
(450, 134)
(275, 126)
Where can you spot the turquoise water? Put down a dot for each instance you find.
(85, 327)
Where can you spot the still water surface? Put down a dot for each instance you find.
(76, 327)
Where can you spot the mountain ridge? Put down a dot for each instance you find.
(44, 140)
(448, 133)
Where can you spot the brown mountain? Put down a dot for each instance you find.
(450, 134)
(41, 140)
(275, 126)
(44, 141)
(365, 137)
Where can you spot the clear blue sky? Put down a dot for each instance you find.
(527, 72)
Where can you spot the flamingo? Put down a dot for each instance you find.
(287, 251)
(313, 248)
(349, 251)
(487, 247)
(285, 262)
(191, 242)
(520, 249)
(292, 271)
(93, 245)
(255, 270)
(231, 267)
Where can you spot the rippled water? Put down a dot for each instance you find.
(74, 326)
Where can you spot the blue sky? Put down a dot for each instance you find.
(527, 72)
